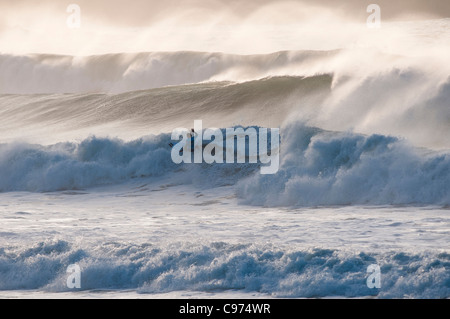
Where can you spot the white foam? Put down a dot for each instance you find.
(329, 168)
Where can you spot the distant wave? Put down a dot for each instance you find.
(118, 73)
(214, 266)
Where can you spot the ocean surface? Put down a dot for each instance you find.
(86, 176)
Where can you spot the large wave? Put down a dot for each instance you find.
(218, 266)
(402, 103)
(363, 91)
(219, 104)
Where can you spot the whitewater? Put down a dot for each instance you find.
(86, 176)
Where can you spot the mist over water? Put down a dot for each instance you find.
(211, 26)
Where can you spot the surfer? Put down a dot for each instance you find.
(190, 135)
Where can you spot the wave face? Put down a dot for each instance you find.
(221, 266)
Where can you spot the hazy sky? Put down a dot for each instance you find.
(251, 26)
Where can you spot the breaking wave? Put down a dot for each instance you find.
(221, 266)
(335, 168)
(317, 167)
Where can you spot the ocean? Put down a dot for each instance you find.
(87, 178)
